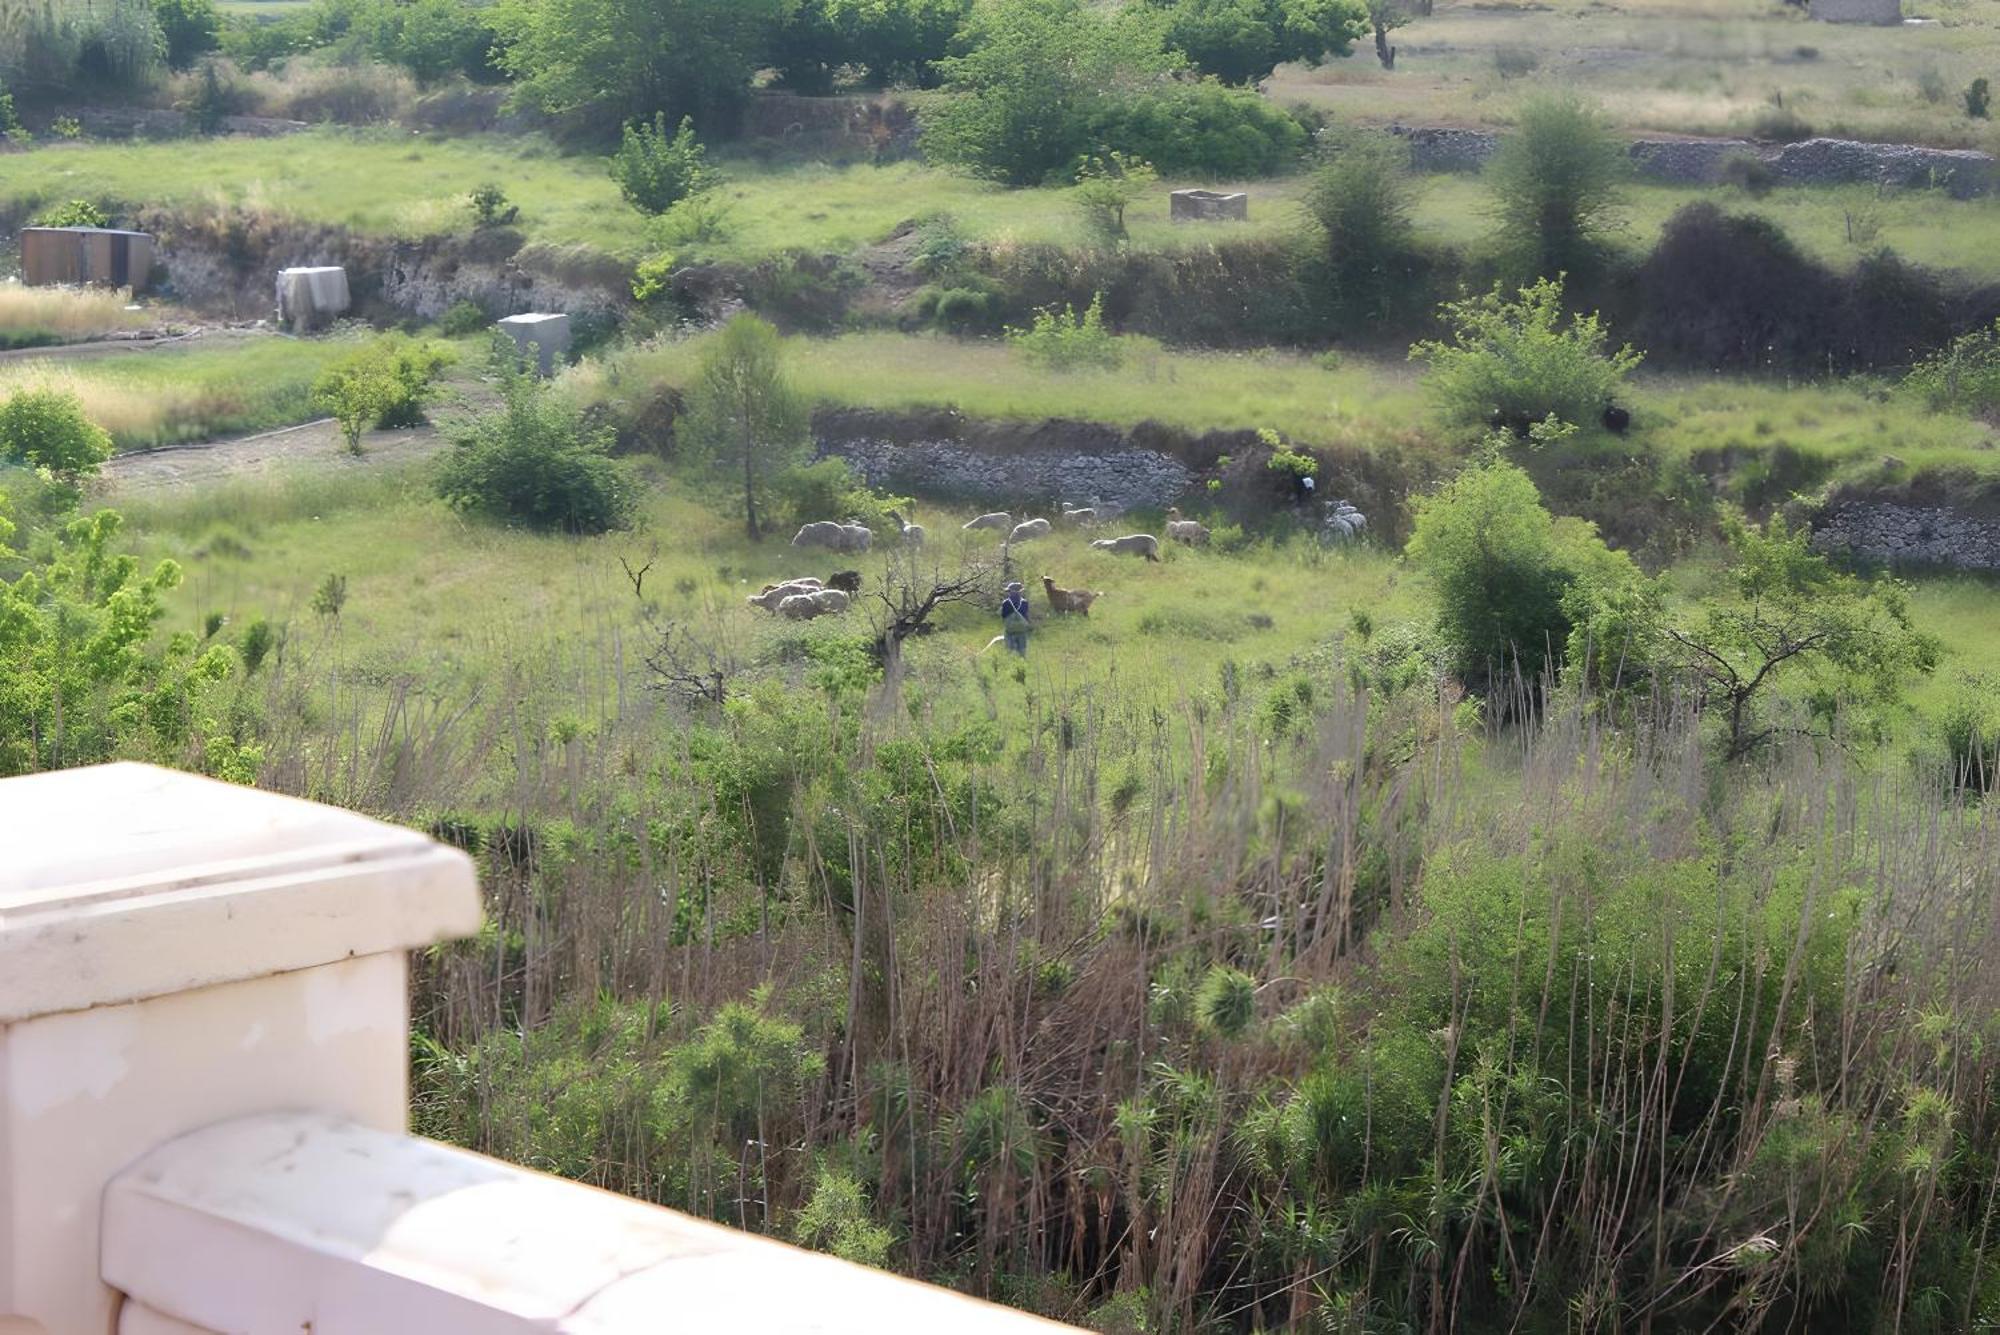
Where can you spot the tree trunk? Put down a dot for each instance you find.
(1383, 51)
(750, 493)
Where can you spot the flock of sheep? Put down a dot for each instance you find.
(805, 598)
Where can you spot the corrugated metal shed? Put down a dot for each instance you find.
(86, 255)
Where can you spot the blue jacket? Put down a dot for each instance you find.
(1014, 604)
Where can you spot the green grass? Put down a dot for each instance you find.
(1354, 400)
(1850, 426)
(451, 602)
(167, 396)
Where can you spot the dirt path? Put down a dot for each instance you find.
(112, 347)
(311, 445)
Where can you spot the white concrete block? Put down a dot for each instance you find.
(541, 335)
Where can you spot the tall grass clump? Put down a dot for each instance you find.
(39, 316)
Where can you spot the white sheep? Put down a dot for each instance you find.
(1079, 516)
(1190, 531)
(1132, 544)
(999, 519)
(1029, 529)
(774, 594)
(848, 537)
(806, 606)
(913, 534)
(1343, 523)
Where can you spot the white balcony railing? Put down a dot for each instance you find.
(203, 1097)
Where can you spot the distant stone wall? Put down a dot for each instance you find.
(1907, 534)
(1964, 173)
(1858, 11)
(1125, 479)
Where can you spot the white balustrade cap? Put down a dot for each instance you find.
(287, 1222)
(121, 882)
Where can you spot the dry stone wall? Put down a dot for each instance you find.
(1964, 173)
(1121, 479)
(1910, 534)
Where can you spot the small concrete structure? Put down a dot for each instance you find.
(1208, 206)
(103, 255)
(542, 336)
(204, 1057)
(1884, 12)
(312, 297)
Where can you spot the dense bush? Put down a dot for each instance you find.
(1201, 128)
(385, 383)
(828, 489)
(73, 213)
(47, 428)
(1059, 339)
(1558, 179)
(1507, 573)
(1362, 199)
(536, 463)
(655, 170)
(191, 29)
(1513, 364)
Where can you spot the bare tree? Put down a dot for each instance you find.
(908, 598)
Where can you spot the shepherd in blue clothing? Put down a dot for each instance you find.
(1014, 619)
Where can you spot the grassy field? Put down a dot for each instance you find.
(1310, 398)
(420, 583)
(1675, 67)
(166, 396)
(399, 184)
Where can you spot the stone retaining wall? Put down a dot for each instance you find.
(1963, 173)
(1900, 534)
(1122, 479)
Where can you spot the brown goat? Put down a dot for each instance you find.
(1068, 600)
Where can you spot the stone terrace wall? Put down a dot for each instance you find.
(1910, 534)
(1963, 172)
(1128, 479)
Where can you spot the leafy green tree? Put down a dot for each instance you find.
(47, 429)
(192, 29)
(1362, 198)
(743, 416)
(1242, 41)
(1504, 570)
(1963, 377)
(1513, 364)
(1039, 75)
(894, 41)
(537, 463)
(1558, 179)
(1108, 186)
(1787, 623)
(626, 60)
(1198, 127)
(655, 170)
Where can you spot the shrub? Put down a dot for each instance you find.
(1558, 180)
(1362, 198)
(1780, 125)
(385, 383)
(1931, 85)
(192, 28)
(212, 100)
(73, 213)
(1512, 364)
(961, 310)
(490, 207)
(837, 1220)
(259, 638)
(1978, 100)
(1061, 340)
(1503, 569)
(47, 428)
(536, 463)
(1967, 731)
(1964, 377)
(1750, 174)
(1514, 62)
(1201, 128)
(462, 319)
(828, 489)
(1107, 187)
(655, 170)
